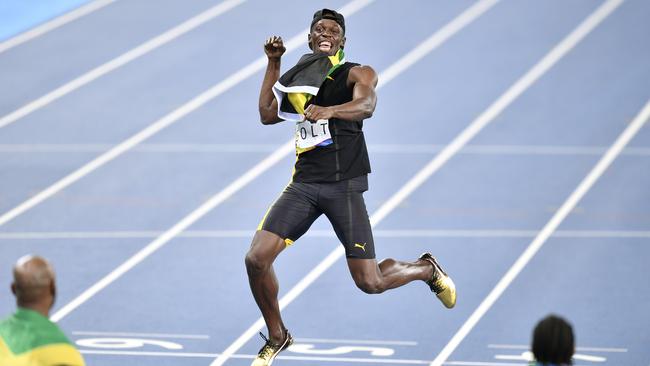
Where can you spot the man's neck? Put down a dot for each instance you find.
(42, 309)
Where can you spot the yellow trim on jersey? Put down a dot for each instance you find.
(287, 241)
(293, 170)
(261, 225)
(300, 150)
(52, 354)
(4, 350)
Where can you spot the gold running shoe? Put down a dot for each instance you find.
(269, 351)
(440, 283)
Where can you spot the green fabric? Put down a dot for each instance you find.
(27, 329)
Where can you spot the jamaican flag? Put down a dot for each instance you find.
(297, 86)
(27, 338)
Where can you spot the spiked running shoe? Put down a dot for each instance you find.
(440, 283)
(270, 350)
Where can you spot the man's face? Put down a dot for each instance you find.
(326, 36)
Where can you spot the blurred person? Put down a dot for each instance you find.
(553, 342)
(327, 98)
(28, 337)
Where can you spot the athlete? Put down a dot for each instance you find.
(328, 98)
(28, 337)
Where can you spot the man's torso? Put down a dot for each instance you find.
(29, 339)
(347, 156)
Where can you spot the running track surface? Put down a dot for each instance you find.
(188, 301)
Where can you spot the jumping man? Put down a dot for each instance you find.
(328, 98)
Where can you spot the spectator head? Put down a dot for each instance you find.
(553, 341)
(33, 284)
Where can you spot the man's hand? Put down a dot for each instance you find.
(314, 113)
(274, 47)
(268, 106)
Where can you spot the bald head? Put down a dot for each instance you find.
(33, 282)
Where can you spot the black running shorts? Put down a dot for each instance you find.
(300, 204)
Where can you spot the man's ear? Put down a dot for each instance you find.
(13, 288)
(53, 292)
(343, 43)
(309, 41)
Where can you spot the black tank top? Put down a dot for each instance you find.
(347, 156)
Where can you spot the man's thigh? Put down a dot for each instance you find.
(291, 215)
(344, 206)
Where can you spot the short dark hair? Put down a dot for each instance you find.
(328, 14)
(553, 341)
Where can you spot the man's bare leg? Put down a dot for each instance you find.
(264, 284)
(375, 278)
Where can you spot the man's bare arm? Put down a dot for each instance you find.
(268, 105)
(363, 80)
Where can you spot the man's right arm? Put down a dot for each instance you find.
(268, 105)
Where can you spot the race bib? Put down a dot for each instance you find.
(311, 134)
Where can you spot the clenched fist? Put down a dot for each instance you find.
(274, 47)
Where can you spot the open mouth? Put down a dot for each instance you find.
(325, 46)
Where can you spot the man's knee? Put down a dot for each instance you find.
(256, 263)
(265, 247)
(370, 285)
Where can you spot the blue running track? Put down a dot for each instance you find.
(185, 300)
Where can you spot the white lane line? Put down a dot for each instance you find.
(188, 220)
(209, 234)
(502, 149)
(284, 357)
(373, 148)
(356, 341)
(435, 40)
(245, 356)
(201, 336)
(510, 233)
(581, 31)
(495, 109)
(53, 24)
(581, 349)
(49, 235)
(438, 38)
(146, 335)
(215, 200)
(351, 360)
(119, 61)
(149, 148)
(154, 354)
(297, 358)
(167, 120)
(478, 363)
(492, 363)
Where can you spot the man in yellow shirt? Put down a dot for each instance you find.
(28, 337)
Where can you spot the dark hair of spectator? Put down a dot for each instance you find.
(553, 341)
